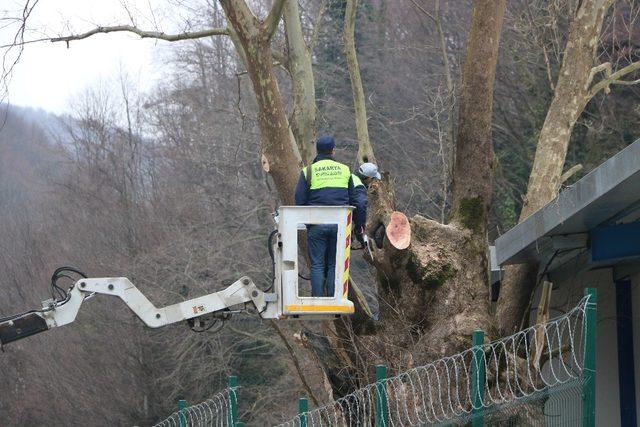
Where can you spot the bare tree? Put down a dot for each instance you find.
(573, 90)
(447, 269)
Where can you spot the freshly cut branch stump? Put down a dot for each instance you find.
(399, 230)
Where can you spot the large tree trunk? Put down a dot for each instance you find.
(457, 299)
(571, 95)
(473, 169)
(279, 157)
(283, 164)
(570, 98)
(433, 295)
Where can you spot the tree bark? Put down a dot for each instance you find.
(303, 120)
(459, 248)
(572, 93)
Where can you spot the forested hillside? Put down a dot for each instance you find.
(168, 189)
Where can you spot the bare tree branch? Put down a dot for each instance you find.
(303, 115)
(424, 11)
(604, 67)
(572, 171)
(144, 34)
(18, 41)
(612, 78)
(21, 43)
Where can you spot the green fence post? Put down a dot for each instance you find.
(478, 377)
(182, 417)
(303, 408)
(382, 402)
(589, 361)
(233, 400)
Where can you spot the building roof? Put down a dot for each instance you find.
(609, 194)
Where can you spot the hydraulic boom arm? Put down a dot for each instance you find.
(286, 299)
(61, 313)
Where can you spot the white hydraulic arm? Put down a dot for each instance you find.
(285, 301)
(60, 313)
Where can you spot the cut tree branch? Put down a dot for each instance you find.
(144, 34)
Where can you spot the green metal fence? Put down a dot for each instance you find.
(220, 410)
(543, 375)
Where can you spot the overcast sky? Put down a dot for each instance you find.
(49, 75)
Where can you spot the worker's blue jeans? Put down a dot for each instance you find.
(321, 244)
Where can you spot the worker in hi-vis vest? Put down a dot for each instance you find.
(329, 183)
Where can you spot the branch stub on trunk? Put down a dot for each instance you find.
(399, 231)
(265, 163)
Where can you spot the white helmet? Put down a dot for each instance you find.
(369, 170)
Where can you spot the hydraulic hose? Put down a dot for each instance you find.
(273, 259)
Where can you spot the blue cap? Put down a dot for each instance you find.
(325, 144)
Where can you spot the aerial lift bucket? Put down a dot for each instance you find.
(291, 303)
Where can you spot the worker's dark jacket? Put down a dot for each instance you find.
(332, 184)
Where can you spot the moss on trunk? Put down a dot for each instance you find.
(472, 214)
